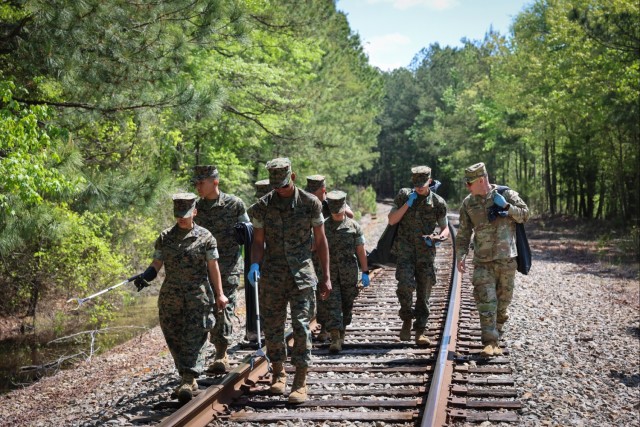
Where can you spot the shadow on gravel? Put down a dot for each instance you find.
(630, 380)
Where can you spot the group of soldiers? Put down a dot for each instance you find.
(308, 252)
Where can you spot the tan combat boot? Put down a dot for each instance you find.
(487, 351)
(405, 332)
(497, 351)
(221, 361)
(299, 387)
(336, 342)
(421, 338)
(278, 378)
(186, 388)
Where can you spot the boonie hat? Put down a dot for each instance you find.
(420, 175)
(314, 183)
(201, 172)
(474, 171)
(183, 204)
(279, 172)
(337, 201)
(262, 187)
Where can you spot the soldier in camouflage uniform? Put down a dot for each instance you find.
(346, 249)
(186, 300)
(495, 250)
(218, 212)
(283, 221)
(317, 186)
(418, 212)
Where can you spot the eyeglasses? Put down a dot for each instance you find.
(470, 183)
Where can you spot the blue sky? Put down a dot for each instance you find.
(393, 31)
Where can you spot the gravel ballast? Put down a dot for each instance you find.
(574, 337)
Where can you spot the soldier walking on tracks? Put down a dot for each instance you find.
(218, 212)
(283, 221)
(492, 217)
(186, 300)
(417, 211)
(346, 249)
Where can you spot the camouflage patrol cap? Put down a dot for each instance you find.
(183, 204)
(279, 172)
(337, 201)
(314, 183)
(474, 171)
(262, 187)
(420, 175)
(201, 172)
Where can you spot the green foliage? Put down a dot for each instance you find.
(29, 157)
(362, 200)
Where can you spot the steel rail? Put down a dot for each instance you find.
(435, 410)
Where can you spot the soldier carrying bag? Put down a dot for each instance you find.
(522, 243)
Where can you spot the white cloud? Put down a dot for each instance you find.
(431, 4)
(383, 50)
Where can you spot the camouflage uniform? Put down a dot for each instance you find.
(219, 216)
(314, 183)
(495, 251)
(287, 274)
(415, 269)
(186, 301)
(342, 237)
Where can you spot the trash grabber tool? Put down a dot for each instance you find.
(259, 352)
(81, 301)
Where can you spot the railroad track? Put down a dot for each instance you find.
(376, 377)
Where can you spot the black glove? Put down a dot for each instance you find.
(142, 280)
(496, 211)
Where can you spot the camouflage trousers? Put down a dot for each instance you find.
(419, 275)
(338, 308)
(223, 328)
(318, 309)
(277, 291)
(493, 290)
(185, 318)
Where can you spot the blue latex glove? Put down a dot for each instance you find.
(412, 198)
(499, 200)
(365, 280)
(428, 241)
(254, 273)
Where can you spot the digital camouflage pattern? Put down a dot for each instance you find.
(343, 237)
(415, 269)
(287, 273)
(314, 183)
(493, 239)
(494, 244)
(201, 172)
(279, 172)
(420, 175)
(219, 217)
(262, 187)
(186, 302)
(337, 201)
(183, 204)
(475, 171)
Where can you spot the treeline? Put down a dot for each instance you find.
(553, 110)
(106, 106)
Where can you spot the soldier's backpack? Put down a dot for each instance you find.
(522, 243)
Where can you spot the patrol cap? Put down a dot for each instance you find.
(201, 172)
(183, 204)
(337, 201)
(262, 187)
(420, 175)
(314, 183)
(279, 172)
(474, 171)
